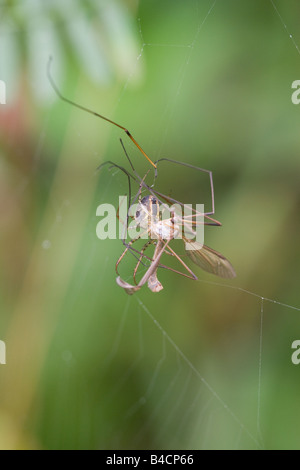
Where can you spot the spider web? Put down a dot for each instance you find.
(178, 402)
(197, 372)
(173, 406)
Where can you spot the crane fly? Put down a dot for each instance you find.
(161, 231)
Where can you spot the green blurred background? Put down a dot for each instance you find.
(87, 366)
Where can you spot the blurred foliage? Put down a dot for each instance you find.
(87, 366)
(97, 35)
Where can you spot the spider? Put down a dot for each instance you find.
(148, 217)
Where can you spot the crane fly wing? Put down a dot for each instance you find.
(209, 260)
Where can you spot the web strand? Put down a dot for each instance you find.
(197, 373)
(215, 397)
(165, 340)
(260, 368)
(285, 27)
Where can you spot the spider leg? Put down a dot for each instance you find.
(137, 176)
(150, 275)
(90, 111)
(193, 277)
(130, 162)
(209, 172)
(128, 246)
(173, 253)
(129, 176)
(148, 243)
(142, 183)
